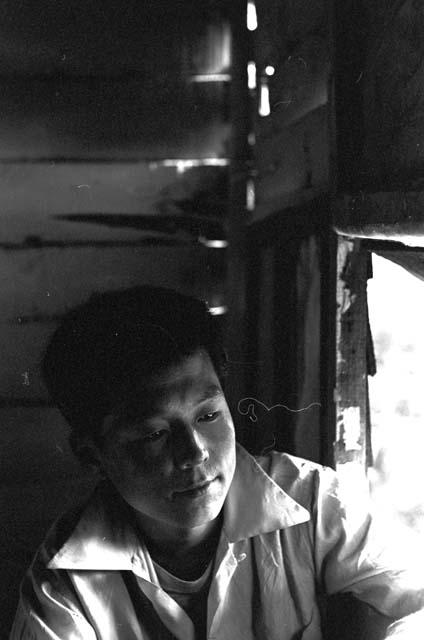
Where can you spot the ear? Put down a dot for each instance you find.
(86, 452)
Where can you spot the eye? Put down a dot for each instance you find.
(155, 436)
(209, 417)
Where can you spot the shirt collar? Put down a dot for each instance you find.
(104, 539)
(255, 504)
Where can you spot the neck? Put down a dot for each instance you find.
(183, 552)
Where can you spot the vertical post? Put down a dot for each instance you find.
(350, 447)
(237, 227)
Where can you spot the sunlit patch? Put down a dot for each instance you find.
(182, 165)
(396, 309)
(210, 77)
(213, 244)
(218, 311)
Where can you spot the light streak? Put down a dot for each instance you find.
(218, 311)
(252, 18)
(264, 106)
(251, 75)
(214, 244)
(210, 77)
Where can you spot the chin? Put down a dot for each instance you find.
(199, 517)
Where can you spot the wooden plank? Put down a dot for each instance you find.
(282, 26)
(351, 362)
(292, 164)
(394, 215)
(37, 286)
(299, 83)
(391, 81)
(237, 279)
(46, 282)
(119, 117)
(308, 311)
(291, 52)
(380, 107)
(33, 195)
(102, 38)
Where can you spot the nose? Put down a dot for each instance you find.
(189, 450)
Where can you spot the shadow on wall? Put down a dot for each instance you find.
(45, 481)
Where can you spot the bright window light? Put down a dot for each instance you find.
(252, 18)
(396, 312)
(251, 75)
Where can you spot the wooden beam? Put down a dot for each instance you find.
(393, 215)
(237, 211)
(350, 447)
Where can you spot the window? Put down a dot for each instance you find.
(396, 393)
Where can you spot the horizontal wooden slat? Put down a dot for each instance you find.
(38, 285)
(32, 195)
(102, 37)
(46, 282)
(112, 117)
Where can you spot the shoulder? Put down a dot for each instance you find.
(44, 587)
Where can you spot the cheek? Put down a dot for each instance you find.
(132, 467)
(224, 443)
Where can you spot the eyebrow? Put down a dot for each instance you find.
(146, 410)
(212, 391)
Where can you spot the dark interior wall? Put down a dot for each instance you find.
(39, 476)
(282, 407)
(289, 228)
(101, 127)
(113, 173)
(39, 479)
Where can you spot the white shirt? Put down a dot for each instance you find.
(287, 539)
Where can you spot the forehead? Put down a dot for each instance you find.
(191, 381)
(192, 372)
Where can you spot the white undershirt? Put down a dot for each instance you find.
(191, 595)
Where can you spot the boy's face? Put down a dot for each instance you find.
(172, 455)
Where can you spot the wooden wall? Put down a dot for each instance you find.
(292, 149)
(291, 161)
(110, 136)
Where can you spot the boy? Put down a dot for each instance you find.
(186, 536)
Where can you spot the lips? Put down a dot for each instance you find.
(193, 490)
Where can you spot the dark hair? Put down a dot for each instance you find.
(103, 348)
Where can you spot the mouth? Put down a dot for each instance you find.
(194, 490)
